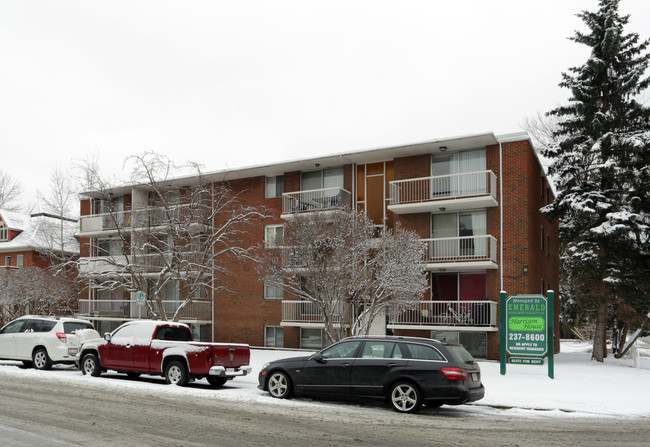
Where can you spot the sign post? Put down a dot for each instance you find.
(550, 296)
(140, 299)
(527, 330)
(503, 331)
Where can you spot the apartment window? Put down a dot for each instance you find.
(4, 232)
(274, 186)
(7, 261)
(273, 288)
(274, 337)
(474, 342)
(201, 292)
(199, 243)
(170, 291)
(274, 235)
(311, 338)
(19, 260)
(109, 247)
(323, 178)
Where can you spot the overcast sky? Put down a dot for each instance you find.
(236, 83)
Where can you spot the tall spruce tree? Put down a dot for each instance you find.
(601, 160)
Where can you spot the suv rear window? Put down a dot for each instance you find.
(71, 326)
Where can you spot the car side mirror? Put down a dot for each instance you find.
(318, 357)
(107, 337)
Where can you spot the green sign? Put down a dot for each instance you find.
(140, 298)
(526, 325)
(526, 361)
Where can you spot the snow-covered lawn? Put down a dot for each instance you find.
(581, 387)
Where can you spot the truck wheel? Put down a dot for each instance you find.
(41, 360)
(176, 373)
(90, 365)
(216, 381)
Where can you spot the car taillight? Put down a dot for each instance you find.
(61, 336)
(455, 373)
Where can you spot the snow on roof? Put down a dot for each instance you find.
(39, 232)
(14, 220)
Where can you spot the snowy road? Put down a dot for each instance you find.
(63, 408)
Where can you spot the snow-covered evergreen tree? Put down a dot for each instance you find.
(601, 160)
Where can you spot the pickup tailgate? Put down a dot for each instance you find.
(230, 355)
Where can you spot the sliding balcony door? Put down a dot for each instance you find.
(454, 235)
(447, 170)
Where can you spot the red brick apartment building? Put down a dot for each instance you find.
(474, 199)
(24, 240)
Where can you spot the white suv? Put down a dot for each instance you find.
(42, 341)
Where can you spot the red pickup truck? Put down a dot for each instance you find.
(163, 348)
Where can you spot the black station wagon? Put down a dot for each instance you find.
(407, 371)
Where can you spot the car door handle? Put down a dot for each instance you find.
(390, 365)
(344, 365)
(128, 346)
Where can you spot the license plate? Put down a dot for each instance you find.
(73, 351)
(474, 377)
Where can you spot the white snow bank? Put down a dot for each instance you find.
(581, 387)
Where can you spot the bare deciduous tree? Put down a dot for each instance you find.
(185, 233)
(10, 191)
(57, 233)
(36, 291)
(336, 265)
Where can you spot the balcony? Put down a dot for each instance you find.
(304, 314)
(195, 311)
(144, 263)
(479, 315)
(461, 253)
(326, 199)
(444, 193)
(150, 218)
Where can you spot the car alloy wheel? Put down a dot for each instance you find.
(405, 397)
(279, 385)
(41, 360)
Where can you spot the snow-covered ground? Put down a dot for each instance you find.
(581, 387)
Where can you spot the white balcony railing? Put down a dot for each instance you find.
(304, 312)
(326, 199)
(141, 263)
(454, 186)
(143, 218)
(479, 313)
(129, 309)
(461, 249)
